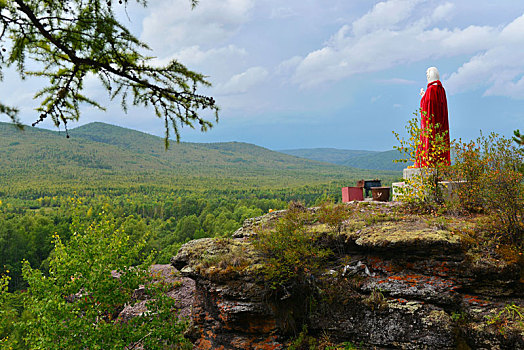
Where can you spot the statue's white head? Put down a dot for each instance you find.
(432, 74)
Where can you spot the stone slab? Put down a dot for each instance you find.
(449, 189)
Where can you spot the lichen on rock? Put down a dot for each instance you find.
(393, 281)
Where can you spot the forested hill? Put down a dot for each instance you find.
(352, 158)
(196, 156)
(99, 153)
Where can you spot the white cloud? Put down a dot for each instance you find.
(172, 25)
(499, 69)
(397, 32)
(241, 83)
(289, 64)
(194, 55)
(470, 39)
(513, 33)
(443, 12)
(384, 15)
(507, 88)
(348, 55)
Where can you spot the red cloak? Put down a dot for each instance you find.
(434, 110)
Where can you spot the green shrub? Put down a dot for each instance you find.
(333, 215)
(511, 313)
(469, 169)
(486, 177)
(422, 191)
(303, 341)
(5, 314)
(491, 182)
(291, 249)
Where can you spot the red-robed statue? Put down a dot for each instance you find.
(434, 121)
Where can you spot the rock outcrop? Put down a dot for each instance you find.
(182, 290)
(395, 281)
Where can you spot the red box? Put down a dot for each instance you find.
(350, 194)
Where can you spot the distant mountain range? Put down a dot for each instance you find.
(352, 158)
(99, 153)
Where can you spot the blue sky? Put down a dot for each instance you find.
(318, 73)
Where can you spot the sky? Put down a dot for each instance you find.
(318, 73)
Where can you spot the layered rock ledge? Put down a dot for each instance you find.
(394, 281)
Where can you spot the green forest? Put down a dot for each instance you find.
(351, 158)
(159, 198)
(169, 196)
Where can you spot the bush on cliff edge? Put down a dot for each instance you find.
(291, 250)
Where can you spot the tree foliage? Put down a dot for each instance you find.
(70, 40)
(487, 170)
(518, 137)
(423, 189)
(91, 278)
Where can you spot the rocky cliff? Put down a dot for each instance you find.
(393, 281)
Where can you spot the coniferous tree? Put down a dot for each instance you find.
(518, 138)
(73, 39)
